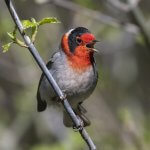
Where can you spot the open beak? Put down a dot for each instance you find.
(91, 45)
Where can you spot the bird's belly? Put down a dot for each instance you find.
(77, 85)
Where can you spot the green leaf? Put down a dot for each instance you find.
(11, 35)
(33, 24)
(29, 24)
(48, 20)
(6, 47)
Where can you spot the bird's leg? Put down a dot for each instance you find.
(59, 99)
(64, 96)
(80, 111)
(84, 121)
(76, 129)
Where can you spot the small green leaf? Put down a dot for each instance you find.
(11, 35)
(48, 20)
(6, 47)
(29, 24)
(33, 25)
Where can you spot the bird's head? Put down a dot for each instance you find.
(78, 45)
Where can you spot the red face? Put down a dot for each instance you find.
(84, 42)
(80, 51)
(87, 39)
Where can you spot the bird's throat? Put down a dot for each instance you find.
(81, 59)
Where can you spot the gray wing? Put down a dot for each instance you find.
(41, 103)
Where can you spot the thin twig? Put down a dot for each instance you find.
(49, 77)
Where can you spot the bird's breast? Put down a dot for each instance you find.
(74, 83)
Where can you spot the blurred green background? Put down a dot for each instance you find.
(119, 108)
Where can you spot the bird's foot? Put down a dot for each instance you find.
(59, 99)
(63, 97)
(76, 129)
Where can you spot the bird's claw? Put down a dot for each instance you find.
(75, 128)
(63, 97)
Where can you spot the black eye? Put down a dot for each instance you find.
(78, 40)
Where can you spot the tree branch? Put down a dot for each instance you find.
(49, 77)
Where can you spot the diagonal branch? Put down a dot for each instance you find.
(49, 77)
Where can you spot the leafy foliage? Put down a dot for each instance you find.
(32, 25)
(48, 20)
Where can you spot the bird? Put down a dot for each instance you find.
(74, 69)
